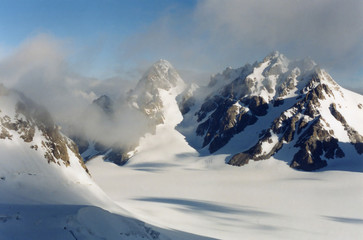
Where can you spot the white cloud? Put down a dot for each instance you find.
(39, 68)
(328, 27)
(218, 33)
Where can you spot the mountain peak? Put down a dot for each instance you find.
(160, 75)
(146, 96)
(105, 103)
(292, 105)
(275, 56)
(163, 62)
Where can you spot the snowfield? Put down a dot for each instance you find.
(41, 199)
(168, 185)
(263, 200)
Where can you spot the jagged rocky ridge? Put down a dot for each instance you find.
(21, 118)
(291, 110)
(290, 104)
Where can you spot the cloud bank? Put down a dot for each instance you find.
(217, 34)
(39, 68)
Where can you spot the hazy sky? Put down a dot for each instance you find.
(119, 38)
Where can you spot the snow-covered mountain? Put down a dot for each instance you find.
(291, 110)
(32, 147)
(147, 95)
(168, 183)
(46, 191)
(160, 83)
(272, 110)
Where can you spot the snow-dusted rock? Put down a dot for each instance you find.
(263, 109)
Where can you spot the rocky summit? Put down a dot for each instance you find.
(289, 110)
(146, 98)
(146, 95)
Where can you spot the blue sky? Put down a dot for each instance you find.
(80, 19)
(107, 38)
(84, 26)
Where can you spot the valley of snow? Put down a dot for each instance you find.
(264, 200)
(168, 185)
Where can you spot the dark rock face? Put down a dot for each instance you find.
(257, 105)
(118, 156)
(115, 154)
(246, 96)
(230, 112)
(105, 103)
(186, 105)
(186, 99)
(5, 134)
(240, 159)
(303, 126)
(256, 152)
(314, 143)
(82, 144)
(355, 138)
(228, 118)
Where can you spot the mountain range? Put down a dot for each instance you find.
(290, 112)
(45, 187)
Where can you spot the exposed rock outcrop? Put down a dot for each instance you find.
(30, 119)
(290, 103)
(314, 143)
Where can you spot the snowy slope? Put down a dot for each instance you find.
(168, 184)
(155, 92)
(155, 95)
(165, 139)
(263, 200)
(45, 190)
(36, 157)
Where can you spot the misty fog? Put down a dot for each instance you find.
(39, 69)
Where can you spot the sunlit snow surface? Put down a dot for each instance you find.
(41, 200)
(166, 184)
(263, 200)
